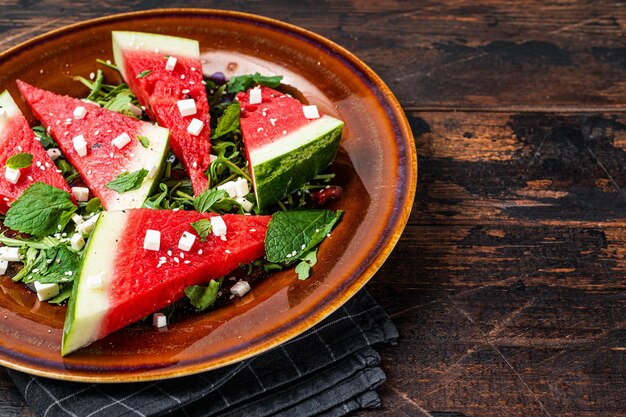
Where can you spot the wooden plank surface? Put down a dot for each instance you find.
(508, 283)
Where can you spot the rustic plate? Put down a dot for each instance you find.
(377, 167)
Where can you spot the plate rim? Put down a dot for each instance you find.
(404, 134)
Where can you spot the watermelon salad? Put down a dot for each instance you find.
(167, 195)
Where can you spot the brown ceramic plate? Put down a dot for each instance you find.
(376, 166)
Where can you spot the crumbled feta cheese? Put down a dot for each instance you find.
(80, 145)
(46, 291)
(54, 153)
(135, 110)
(159, 320)
(186, 242)
(195, 127)
(4, 265)
(88, 225)
(9, 254)
(78, 219)
(121, 141)
(12, 175)
(151, 168)
(218, 226)
(80, 112)
(80, 193)
(152, 241)
(241, 187)
(212, 158)
(311, 112)
(171, 63)
(273, 122)
(245, 204)
(240, 288)
(255, 96)
(77, 242)
(187, 107)
(229, 187)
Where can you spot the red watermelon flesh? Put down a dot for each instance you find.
(138, 281)
(159, 92)
(104, 161)
(17, 137)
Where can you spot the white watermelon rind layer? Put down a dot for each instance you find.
(155, 153)
(9, 106)
(284, 165)
(88, 306)
(151, 42)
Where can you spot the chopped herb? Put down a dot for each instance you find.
(44, 137)
(205, 201)
(203, 228)
(244, 82)
(145, 142)
(20, 160)
(307, 261)
(68, 171)
(203, 297)
(143, 73)
(55, 265)
(228, 122)
(64, 294)
(93, 206)
(127, 181)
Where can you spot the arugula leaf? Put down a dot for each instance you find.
(93, 206)
(143, 73)
(244, 82)
(55, 265)
(203, 297)
(228, 122)
(145, 142)
(207, 199)
(127, 181)
(293, 233)
(307, 261)
(68, 171)
(30, 257)
(44, 137)
(41, 210)
(64, 294)
(203, 228)
(20, 160)
(156, 201)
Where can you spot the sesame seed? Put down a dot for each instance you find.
(253, 230)
(227, 251)
(176, 259)
(200, 252)
(169, 252)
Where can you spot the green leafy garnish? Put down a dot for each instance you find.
(228, 122)
(205, 201)
(307, 261)
(293, 233)
(143, 73)
(203, 297)
(41, 210)
(44, 137)
(55, 265)
(68, 171)
(64, 294)
(145, 142)
(244, 82)
(93, 206)
(127, 181)
(203, 228)
(20, 160)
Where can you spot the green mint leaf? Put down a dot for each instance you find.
(303, 269)
(203, 297)
(41, 210)
(207, 199)
(127, 181)
(68, 171)
(293, 233)
(93, 206)
(145, 142)
(244, 82)
(55, 265)
(228, 122)
(203, 228)
(44, 137)
(20, 160)
(143, 73)
(64, 294)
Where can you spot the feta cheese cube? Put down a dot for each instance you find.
(88, 225)
(186, 241)
(9, 254)
(245, 204)
(152, 241)
(135, 110)
(46, 291)
(80, 193)
(12, 175)
(121, 141)
(80, 145)
(187, 107)
(159, 320)
(240, 288)
(218, 226)
(77, 241)
(212, 158)
(95, 282)
(151, 168)
(255, 96)
(241, 187)
(171, 63)
(195, 127)
(4, 265)
(78, 219)
(229, 187)
(311, 112)
(80, 112)
(54, 153)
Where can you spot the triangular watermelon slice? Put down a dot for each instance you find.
(146, 62)
(103, 161)
(285, 148)
(121, 282)
(17, 137)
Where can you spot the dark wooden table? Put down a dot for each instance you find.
(508, 284)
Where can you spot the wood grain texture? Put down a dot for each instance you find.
(508, 283)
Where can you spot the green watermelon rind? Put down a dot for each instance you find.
(283, 174)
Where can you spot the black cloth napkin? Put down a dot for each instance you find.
(330, 370)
